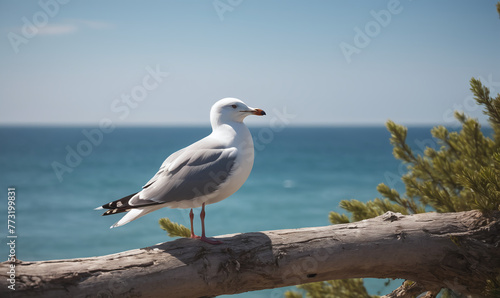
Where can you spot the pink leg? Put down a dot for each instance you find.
(191, 217)
(203, 237)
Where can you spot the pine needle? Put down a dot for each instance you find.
(174, 229)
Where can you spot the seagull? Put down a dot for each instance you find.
(203, 173)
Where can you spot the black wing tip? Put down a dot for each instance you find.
(118, 206)
(120, 203)
(115, 211)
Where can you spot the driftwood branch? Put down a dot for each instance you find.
(449, 250)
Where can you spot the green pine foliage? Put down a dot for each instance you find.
(463, 174)
(340, 288)
(174, 229)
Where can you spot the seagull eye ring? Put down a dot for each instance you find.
(234, 106)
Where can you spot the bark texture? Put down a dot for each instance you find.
(451, 250)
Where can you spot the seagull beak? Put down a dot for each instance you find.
(257, 112)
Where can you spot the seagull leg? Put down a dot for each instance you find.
(191, 217)
(203, 237)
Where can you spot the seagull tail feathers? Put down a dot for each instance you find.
(122, 205)
(134, 214)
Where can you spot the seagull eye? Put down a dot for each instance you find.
(234, 106)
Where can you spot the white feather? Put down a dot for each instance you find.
(135, 214)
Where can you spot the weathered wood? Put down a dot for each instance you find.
(452, 250)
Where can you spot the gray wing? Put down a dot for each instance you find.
(164, 166)
(194, 171)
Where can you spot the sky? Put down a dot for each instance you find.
(75, 62)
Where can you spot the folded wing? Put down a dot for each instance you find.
(192, 173)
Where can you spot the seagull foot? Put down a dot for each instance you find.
(210, 240)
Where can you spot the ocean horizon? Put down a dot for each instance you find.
(300, 174)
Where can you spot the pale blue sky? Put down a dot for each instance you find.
(275, 55)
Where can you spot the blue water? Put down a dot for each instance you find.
(299, 175)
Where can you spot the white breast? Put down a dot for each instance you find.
(241, 139)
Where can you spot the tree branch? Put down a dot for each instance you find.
(452, 250)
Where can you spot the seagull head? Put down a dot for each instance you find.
(231, 110)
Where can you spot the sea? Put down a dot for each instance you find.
(300, 174)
